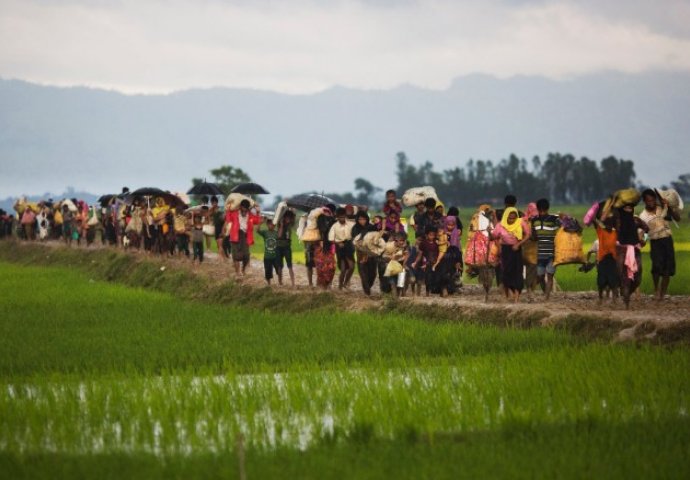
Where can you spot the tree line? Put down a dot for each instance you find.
(562, 178)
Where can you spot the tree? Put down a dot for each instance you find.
(226, 177)
(682, 186)
(407, 174)
(560, 177)
(366, 191)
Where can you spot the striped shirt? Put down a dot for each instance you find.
(544, 229)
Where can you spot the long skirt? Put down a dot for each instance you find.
(324, 261)
(511, 268)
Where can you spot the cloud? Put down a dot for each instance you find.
(305, 46)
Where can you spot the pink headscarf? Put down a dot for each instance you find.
(454, 238)
(531, 211)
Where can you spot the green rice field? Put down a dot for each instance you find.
(102, 380)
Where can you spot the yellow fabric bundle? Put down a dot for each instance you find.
(628, 196)
(568, 248)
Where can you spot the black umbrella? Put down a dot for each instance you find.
(147, 192)
(250, 188)
(106, 199)
(206, 188)
(309, 201)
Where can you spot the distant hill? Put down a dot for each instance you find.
(99, 141)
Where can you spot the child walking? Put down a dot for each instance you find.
(198, 240)
(270, 236)
(608, 279)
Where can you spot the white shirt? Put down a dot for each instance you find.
(341, 232)
(243, 221)
(658, 227)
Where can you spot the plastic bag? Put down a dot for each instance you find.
(393, 268)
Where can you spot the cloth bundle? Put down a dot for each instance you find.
(372, 243)
(413, 196)
(310, 232)
(672, 197)
(234, 199)
(628, 196)
(480, 251)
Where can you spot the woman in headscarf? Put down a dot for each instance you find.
(629, 257)
(367, 264)
(512, 234)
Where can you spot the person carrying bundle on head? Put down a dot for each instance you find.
(661, 240)
(629, 258)
(241, 232)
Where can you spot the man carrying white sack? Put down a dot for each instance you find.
(661, 241)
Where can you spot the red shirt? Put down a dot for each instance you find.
(233, 218)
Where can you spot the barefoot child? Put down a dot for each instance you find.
(284, 246)
(198, 239)
(608, 279)
(270, 251)
(415, 274)
(428, 251)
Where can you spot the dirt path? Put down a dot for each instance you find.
(672, 312)
(643, 307)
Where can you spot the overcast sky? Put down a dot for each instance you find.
(141, 46)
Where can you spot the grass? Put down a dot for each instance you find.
(100, 380)
(78, 325)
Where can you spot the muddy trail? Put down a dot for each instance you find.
(647, 320)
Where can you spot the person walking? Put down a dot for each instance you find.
(544, 228)
(241, 223)
(512, 234)
(341, 235)
(366, 263)
(662, 252)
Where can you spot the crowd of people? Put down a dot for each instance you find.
(421, 254)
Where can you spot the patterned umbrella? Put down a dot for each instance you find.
(309, 201)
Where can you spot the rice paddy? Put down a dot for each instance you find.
(100, 380)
